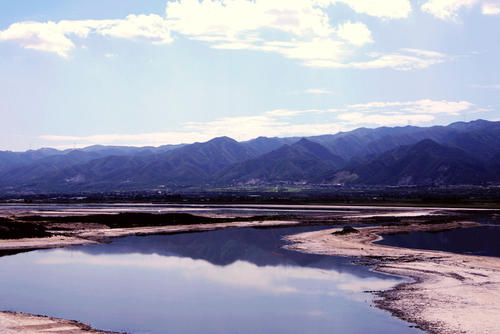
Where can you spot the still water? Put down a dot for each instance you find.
(482, 240)
(227, 281)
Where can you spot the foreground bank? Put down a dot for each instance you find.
(21, 323)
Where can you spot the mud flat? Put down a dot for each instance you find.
(21, 323)
(450, 293)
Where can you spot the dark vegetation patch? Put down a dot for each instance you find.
(128, 219)
(137, 219)
(10, 229)
(346, 230)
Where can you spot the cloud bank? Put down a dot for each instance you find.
(56, 37)
(449, 9)
(300, 30)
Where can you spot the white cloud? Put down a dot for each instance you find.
(38, 36)
(490, 9)
(318, 91)
(306, 33)
(385, 119)
(403, 113)
(229, 19)
(309, 52)
(313, 91)
(150, 27)
(288, 113)
(481, 110)
(355, 33)
(425, 106)
(386, 9)
(403, 60)
(55, 37)
(448, 9)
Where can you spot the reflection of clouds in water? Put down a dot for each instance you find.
(361, 285)
(315, 313)
(274, 279)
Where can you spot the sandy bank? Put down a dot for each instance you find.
(88, 236)
(38, 243)
(451, 293)
(21, 323)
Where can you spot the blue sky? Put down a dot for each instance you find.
(78, 73)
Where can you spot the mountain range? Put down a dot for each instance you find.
(460, 153)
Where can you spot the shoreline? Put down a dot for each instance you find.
(449, 293)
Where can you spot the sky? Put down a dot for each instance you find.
(125, 72)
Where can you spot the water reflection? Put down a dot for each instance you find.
(255, 245)
(230, 281)
(274, 279)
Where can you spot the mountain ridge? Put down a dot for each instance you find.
(466, 152)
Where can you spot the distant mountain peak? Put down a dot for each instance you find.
(304, 141)
(222, 139)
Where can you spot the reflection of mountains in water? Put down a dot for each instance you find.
(261, 247)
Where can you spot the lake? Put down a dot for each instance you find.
(225, 281)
